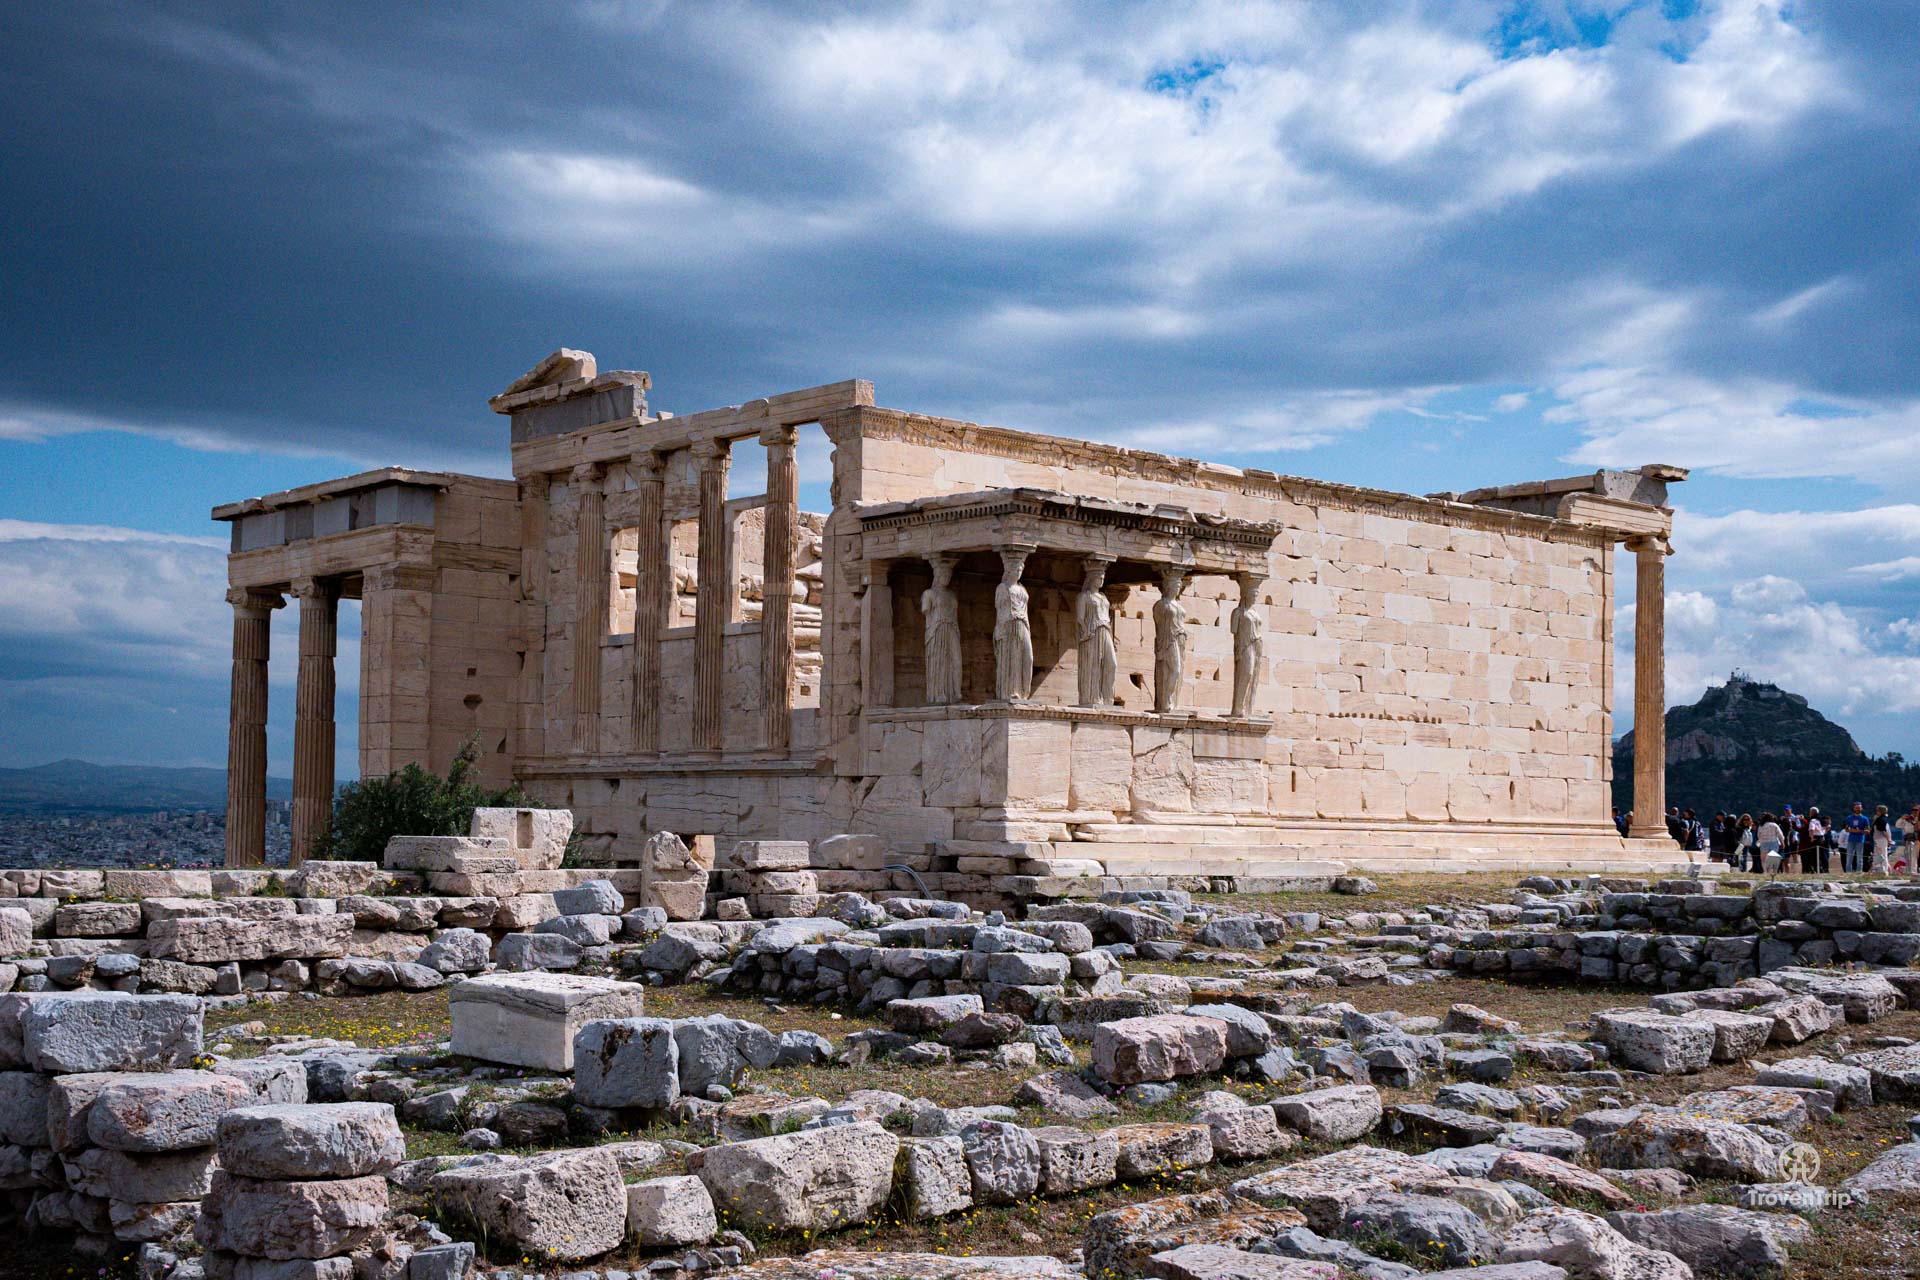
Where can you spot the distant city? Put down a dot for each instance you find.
(76, 813)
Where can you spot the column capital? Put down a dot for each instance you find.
(587, 473)
(778, 434)
(260, 600)
(1650, 544)
(649, 466)
(1101, 558)
(315, 589)
(710, 450)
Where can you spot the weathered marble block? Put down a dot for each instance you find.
(440, 853)
(220, 939)
(78, 1031)
(530, 1019)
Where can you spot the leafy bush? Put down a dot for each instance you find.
(410, 802)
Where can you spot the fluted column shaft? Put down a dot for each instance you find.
(780, 535)
(711, 598)
(247, 727)
(651, 583)
(313, 731)
(590, 604)
(1650, 686)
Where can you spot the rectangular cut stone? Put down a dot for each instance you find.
(772, 855)
(134, 885)
(530, 1019)
(440, 853)
(537, 838)
(83, 1031)
(219, 939)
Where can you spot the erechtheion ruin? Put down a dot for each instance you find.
(1007, 655)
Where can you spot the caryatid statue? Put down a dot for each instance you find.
(1169, 639)
(941, 609)
(1249, 645)
(1012, 629)
(1093, 618)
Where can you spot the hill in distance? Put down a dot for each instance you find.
(80, 786)
(1749, 747)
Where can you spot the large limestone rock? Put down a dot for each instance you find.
(1586, 1248)
(814, 1180)
(1326, 1187)
(673, 877)
(319, 1140)
(1223, 1262)
(1555, 1177)
(1340, 1113)
(1656, 1042)
(1718, 1239)
(530, 1019)
(1696, 1145)
(287, 1220)
(717, 1050)
(1437, 1230)
(439, 853)
(1152, 1150)
(1850, 1086)
(163, 1178)
(564, 1206)
(163, 1110)
(1074, 1160)
(1161, 1047)
(16, 932)
(670, 1213)
(1895, 1072)
(853, 1265)
(1003, 1161)
(1893, 1177)
(222, 939)
(1736, 1036)
(626, 1062)
(1123, 1241)
(75, 1031)
(931, 1178)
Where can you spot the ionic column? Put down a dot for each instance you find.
(590, 603)
(651, 591)
(781, 534)
(1650, 685)
(711, 596)
(313, 713)
(247, 727)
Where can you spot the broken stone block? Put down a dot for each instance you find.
(1223, 1262)
(1800, 1018)
(564, 1206)
(1123, 1241)
(1149, 1150)
(670, 1213)
(155, 1178)
(1325, 1187)
(1895, 1072)
(536, 838)
(1339, 1113)
(440, 853)
(1065, 1094)
(318, 878)
(1555, 1177)
(626, 1062)
(1245, 1133)
(1736, 1036)
(1696, 1145)
(718, 1050)
(1073, 1160)
(1586, 1248)
(772, 855)
(530, 1019)
(285, 1220)
(318, 1140)
(593, 897)
(84, 1031)
(23, 1108)
(226, 939)
(458, 951)
(163, 1110)
(931, 1178)
(1161, 1047)
(1717, 1239)
(16, 931)
(929, 1015)
(1656, 1042)
(1892, 1178)
(814, 1180)
(1003, 1160)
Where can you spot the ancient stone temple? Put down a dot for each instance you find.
(1002, 654)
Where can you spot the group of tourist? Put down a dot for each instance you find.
(1861, 843)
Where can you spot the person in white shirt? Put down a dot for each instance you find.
(1816, 856)
(1769, 837)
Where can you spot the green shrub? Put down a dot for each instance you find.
(410, 802)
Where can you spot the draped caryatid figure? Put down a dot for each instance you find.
(1169, 640)
(1249, 645)
(1093, 619)
(941, 610)
(1012, 629)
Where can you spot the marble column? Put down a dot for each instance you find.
(781, 536)
(247, 727)
(313, 713)
(1169, 640)
(1650, 686)
(712, 598)
(652, 589)
(590, 603)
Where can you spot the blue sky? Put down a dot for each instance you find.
(1418, 246)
